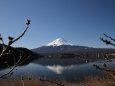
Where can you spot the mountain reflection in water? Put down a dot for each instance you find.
(69, 69)
(59, 69)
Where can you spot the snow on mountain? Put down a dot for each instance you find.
(59, 42)
(61, 46)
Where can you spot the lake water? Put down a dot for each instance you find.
(69, 69)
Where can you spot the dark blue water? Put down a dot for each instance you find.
(58, 68)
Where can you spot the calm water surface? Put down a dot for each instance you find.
(57, 69)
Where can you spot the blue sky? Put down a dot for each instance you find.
(81, 22)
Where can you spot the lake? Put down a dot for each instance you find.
(69, 69)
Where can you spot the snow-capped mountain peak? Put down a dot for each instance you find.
(59, 42)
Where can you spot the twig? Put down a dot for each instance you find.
(108, 37)
(5, 47)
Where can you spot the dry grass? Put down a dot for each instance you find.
(97, 81)
(106, 80)
(34, 82)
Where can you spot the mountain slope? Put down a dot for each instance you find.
(60, 45)
(14, 57)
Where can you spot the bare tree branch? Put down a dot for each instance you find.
(108, 37)
(5, 48)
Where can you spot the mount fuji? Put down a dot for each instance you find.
(61, 46)
(59, 42)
